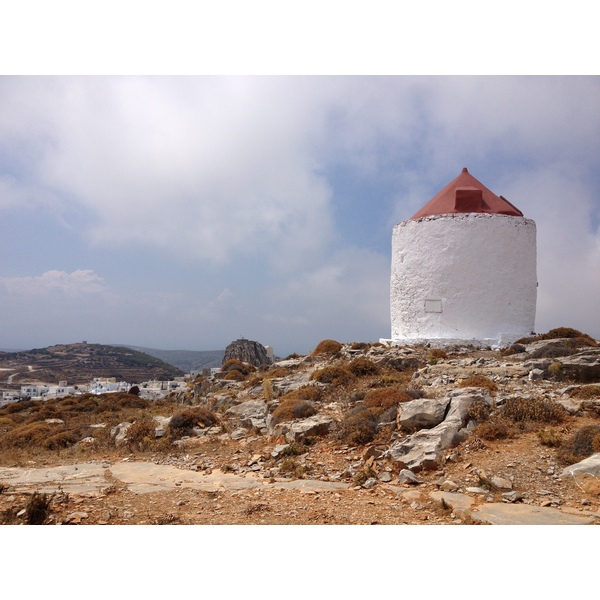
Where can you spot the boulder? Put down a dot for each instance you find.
(585, 474)
(583, 366)
(252, 409)
(120, 433)
(298, 431)
(425, 448)
(422, 413)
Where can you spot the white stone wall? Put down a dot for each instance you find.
(464, 277)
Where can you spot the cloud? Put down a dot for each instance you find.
(77, 283)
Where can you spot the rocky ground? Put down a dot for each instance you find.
(305, 470)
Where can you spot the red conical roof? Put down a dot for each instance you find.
(465, 194)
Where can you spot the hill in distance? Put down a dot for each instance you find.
(186, 360)
(79, 363)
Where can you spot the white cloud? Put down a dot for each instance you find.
(77, 283)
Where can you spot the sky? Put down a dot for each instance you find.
(188, 209)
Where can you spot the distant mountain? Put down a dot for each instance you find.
(186, 360)
(79, 363)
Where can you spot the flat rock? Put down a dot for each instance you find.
(460, 503)
(585, 474)
(525, 514)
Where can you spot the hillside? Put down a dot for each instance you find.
(350, 434)
(186, 360)
(79, 363)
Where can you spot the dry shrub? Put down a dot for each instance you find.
(549, 437)
(235, 365)
(234, 375)
(583, 339)
(480, 381)
(586, 392)
(290, 467)
(37, 509)
(555, 370)
(359, 346)
(363, 367)
(327, 347)
(385, 398)
(520, 410)
(359, 426)
(312, 393)
(335, 375)
(142, 434)
(583, 443)
(479, 411)
(182, 423)
(553, 351)
(31, 434)
(62, 439)
(435, 355)
(292, 408)
(277, 372)
(495, 428)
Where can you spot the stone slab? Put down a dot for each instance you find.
(524, 514)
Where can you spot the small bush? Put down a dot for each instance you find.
(533, 409)
(561, 332)
(435, 355)
(141, 434)
(234, 375)
(290, 467)
(293, 408)
(363, 367)
(385, 398)
(555, 370)
(32, 434)
(294, 449)
(495, 428)
(479, 411)
(327, 347)
(335, 375)
(549, 437)
(586, 392)
(63, 439)
(584, 443)
(480, 381)
(182, 423)
(37, 509)
(359, 427)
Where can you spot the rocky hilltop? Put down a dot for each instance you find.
(247, 351)
(373, 434)
(79, 363)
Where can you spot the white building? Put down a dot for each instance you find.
(463, 270)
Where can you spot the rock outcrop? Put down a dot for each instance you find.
(247, 351)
